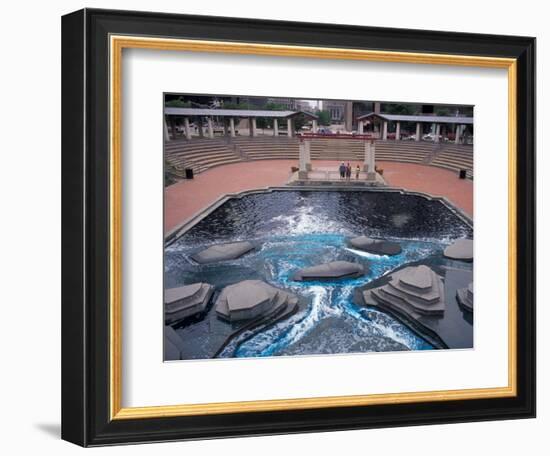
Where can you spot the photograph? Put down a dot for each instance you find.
(308, 227)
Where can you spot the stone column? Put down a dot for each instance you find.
(232, 127)
(348, 115)
(314, 126)
(302, 172)
(172, 124)
(437, 131)
(275, 127)
(418, 131)
(166, 132)
(307, 148)
(457, 134)
(186, 127)
(366, 159)
(385, 131)
(201, 127)
(398, 131)
(360, 127)
(369, 161)
(252, 123)
(210, 128)
(289, 127)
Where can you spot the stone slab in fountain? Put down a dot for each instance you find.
(173, 344)
(414, 291)
(185, 301)
(331, 271)
(450, 328)
(222, 252)
(461, 249)
(465, 297)
(375, 246)
(250, 299)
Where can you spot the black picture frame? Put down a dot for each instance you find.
(85, 228)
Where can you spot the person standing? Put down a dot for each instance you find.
(348, 172)
(342, 170)
(357, 171)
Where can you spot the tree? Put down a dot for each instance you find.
(443, 112)
(324, 117)
(298, 121)
(397, 108)
(178, 103)
(267, 122)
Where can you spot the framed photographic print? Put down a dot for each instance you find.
(279, 227)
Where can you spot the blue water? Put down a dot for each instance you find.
(293, 230)
(284, 255)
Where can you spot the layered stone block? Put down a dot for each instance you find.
(331, 271)
(375, 246)
(251, 299)
(185, 301)
(465, 297)
(462, 250)
(222, 252)
(414, 291)
(173, 344)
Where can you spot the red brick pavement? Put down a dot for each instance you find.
(187, 197)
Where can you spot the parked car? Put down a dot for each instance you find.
(430, 137)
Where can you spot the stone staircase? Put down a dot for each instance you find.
(266, 148)
(337, 149)
(403, 151)
(205, 153)
(455, 157)
(199, 154)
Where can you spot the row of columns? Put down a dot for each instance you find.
(252, 127)
(458, 131)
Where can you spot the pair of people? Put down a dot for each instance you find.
(345, 171)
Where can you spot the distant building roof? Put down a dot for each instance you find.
(422, 118)
(234, 112)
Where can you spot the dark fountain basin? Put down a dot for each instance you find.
(292, 230)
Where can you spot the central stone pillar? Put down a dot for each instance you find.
(314, 126)
(307, 149)
(437, 131)
(252, 126)
(457, 134)
(289, 127)
(418, 131)
(210, 128)
(275, 127)
(398, 131)
(385, 131)
(369, 160)
(348, 115)
(186, 127)
(232, 127)
(302, 172)
(360, 127)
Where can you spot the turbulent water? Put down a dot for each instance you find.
(296, 229)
